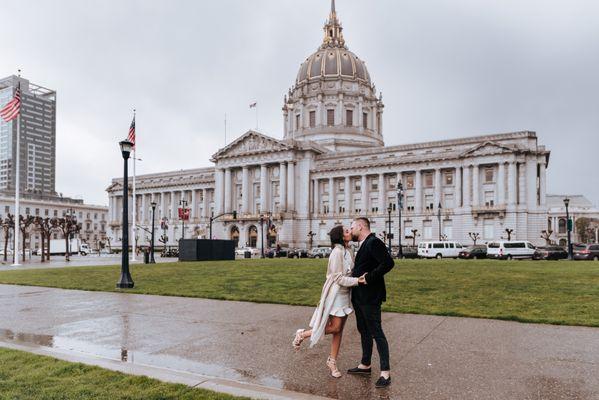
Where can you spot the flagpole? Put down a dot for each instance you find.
(17, 183)
(134, 226)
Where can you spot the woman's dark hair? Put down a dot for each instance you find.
(336, 235)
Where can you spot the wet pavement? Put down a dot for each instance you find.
(77, 261)
(432, 357)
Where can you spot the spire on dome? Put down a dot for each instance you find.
(333, 31)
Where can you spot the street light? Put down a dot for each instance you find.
(569, 227)
(183, 204)
(389, 232)
(125, 282)
(152, 260)
(439, 218)
(400, 207)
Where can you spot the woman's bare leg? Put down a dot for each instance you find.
(334, 325)
(337, 336)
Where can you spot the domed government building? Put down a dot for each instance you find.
(332, 165)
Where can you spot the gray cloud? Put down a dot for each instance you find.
(447, 69)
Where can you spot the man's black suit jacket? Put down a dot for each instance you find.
(373, 259)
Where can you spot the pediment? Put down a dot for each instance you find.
(488, 148)
(251, 142)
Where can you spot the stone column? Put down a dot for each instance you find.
(500, 186)
(144, 211)
(162, 206)
(543, 183)
(174, 214)
(475, 186)
(219, 191)
(418, 192)
(458, 188)
(438, 188)
(194, 205)
(291, 186)
(467, 186)
(365, 194)
(531, 182)
(245, 190)
(347, 190)
(382, 194)
(512, 189)
(228, 186)
(206, 204)
(332, 197)
(283, 186)
(263, 188)
(316, 200)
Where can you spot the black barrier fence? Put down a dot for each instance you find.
(206, 250)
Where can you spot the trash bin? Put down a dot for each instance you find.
(146, 256)
(247, 254)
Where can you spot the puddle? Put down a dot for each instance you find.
(135, 357)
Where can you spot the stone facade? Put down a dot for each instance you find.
(332, 166)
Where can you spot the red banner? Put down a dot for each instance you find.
(184, 214)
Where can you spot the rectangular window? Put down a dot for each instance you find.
(46, 212)
(312, 119)
(428, 179)
(427, 230)
(428, 201)
(489, 198)
(297, 122)
(341, 206)
(448, 230)
(37, 211)
(341, 186)
(357, 206)
(449, 201)
(488, 231)
(489, 175)
(365, 120)
(357, 185)
(374, 184)
(392, 182)
(330, 117)
(27, 211)
(349, 117)
(448, 178)
(410, 181)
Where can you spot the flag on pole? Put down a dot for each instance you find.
(12, 109)
(254, 104)
(131, 136)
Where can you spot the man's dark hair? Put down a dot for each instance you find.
(336, 235)
(364, 220)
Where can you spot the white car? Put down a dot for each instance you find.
(439, 249)
(241, 251)
(507, 250)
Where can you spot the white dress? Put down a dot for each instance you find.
(342, 303)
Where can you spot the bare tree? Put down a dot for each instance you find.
(45, 227)
(413, 237)
(8, 224)
(474, 236)
(547, 236)
(68, 225)
(24, 223)
(509, 234)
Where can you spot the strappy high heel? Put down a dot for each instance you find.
(298, 339)
(332, 364)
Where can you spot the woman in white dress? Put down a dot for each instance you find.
(335, 301)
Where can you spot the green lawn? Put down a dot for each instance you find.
(552, 292)
(32, 377)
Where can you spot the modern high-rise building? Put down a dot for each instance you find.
(37, 141)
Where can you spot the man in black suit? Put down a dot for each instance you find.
(373, 261)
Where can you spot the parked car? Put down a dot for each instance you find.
(550, 253)
(508, 250)
(586, 252)
(320, 252)
(406, 252)
(474, 252)
(274, 253)
(439, 249)
(298, 253)
(254, 251)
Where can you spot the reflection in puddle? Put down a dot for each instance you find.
(140, 358)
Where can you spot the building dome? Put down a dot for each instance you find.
(333, 101)
(333, 63)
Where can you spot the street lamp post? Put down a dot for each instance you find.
(152, 260)
(262, 235)
(439, 218)
(125, 282)
(399, 208)
(389, 232)
(183, 204)
(569, 227)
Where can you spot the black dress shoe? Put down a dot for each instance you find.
(382, 382)
(359, 371)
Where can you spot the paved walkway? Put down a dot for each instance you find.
(77, 261)
(247, 346)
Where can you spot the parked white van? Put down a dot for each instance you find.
(439, 249)
(508, 250)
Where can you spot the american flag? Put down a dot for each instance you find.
(131, 136)
(12, 109)
(254, 104)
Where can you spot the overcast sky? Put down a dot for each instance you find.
(447, 69)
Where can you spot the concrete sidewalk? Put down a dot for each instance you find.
(245, 348)
(77, 261)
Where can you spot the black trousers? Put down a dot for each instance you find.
(368, 318)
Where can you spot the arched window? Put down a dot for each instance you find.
(562, 226)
